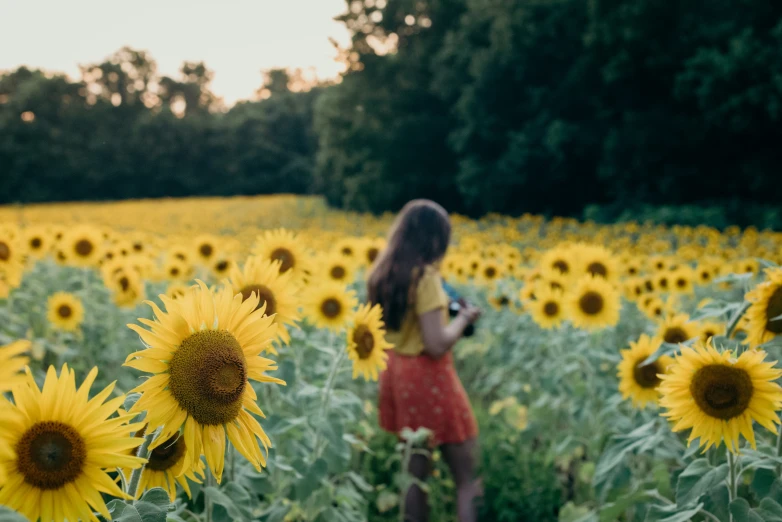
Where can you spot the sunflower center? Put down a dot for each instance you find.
(36, 242)
(83, 247)
(50, 455)
(681, 282)
(597, 268)
(372, 254)
(364, 340)
(285, 257)
(646, 375)
(722, 392)
(562, 266)
(174, 271)
(5, 251)
(331, 308)
(649, 286)
(347, 251)
(490, 272)
(124, 282)
(551, 309)
(208, 376)
(221, 266)
(337, 272)
(504, 301)
(266, 296)
(591, 303)
(167, 454)
(64, 311)
(663, 282)
(206, 250)
(774, 310)
(675, 335)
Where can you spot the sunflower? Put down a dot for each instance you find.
(38, 241)
(372, 249)
(177, 269)
(598, 261)
(367, 343)
(203, 351)
(547, 309)
(711, 329)
(12, 362)
(719, 396)
(167, 466)
(593, 303)
(283, 246)
(639, 382)
(277, 294)
(176, 290)
(501, 301)
(65, 311)
(127, 287)
(560, 259)
(489, 271)
(335, 267)
(330, 305)
(63, 444)
(222, 266)
(348, 247)
(764, 316)
(82, 246)
(10, 252)
(206, 246)
(678, 329)
(682, 280)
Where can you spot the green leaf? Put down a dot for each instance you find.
(221, 499)
(275, 513)
(157, 496)
(741, 511)
(613, 511)
(671, 513)
(386, 501)
(615, 454)
(769, 510)
(359, 481)
(123, 512)
(150, 512)
(697, 479)
(717, 501)
(306, 485)
(762, 482)
(130, 400)
(8, 515)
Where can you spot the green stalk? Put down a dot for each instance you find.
(779, 448)
(135, 477)
(732, 488)
(210, 483)
(324, 406)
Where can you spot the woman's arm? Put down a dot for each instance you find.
(438, 337)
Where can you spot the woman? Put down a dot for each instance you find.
(420, 388)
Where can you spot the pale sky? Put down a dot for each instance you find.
(236, 38)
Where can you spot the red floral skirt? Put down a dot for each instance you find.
(422, 392)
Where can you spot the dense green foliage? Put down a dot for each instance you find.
(486, 105)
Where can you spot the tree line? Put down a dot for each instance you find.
(551, 106)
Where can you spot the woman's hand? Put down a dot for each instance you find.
(470, 313)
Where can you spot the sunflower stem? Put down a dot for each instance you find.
(210, 483)
(736, 318)
(135, 477)
(732, 476)
(779, 448)
(324, 406)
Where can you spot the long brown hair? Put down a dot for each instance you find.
(419, 237)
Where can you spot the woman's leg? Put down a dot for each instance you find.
(417, 501)
(461, 458)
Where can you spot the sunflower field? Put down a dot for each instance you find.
(214, 360)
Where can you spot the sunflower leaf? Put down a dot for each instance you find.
(672, 513)
(741, 511)
(697, 479)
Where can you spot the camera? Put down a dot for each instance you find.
(456, 302)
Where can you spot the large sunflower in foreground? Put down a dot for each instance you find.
(639, 382)
(62, 445)
(330, 305)
(718, 396)
(65, 311)
(262, 278)
(764, 321)
(367, 343)
(593, 303)
(283, 246)
(203, 351)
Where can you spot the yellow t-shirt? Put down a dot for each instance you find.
(429, 295)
